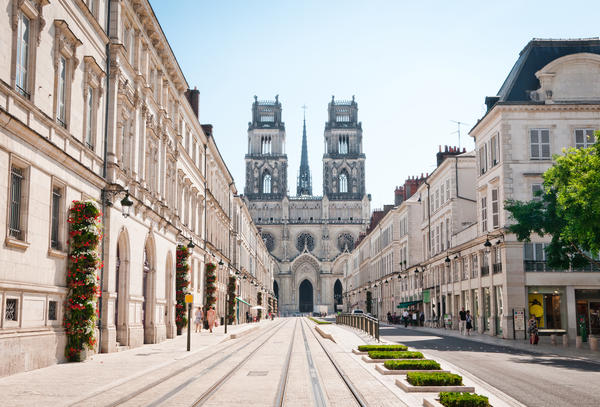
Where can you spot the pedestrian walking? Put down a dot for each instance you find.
(405, 318)
(389, 317)
(422, 318)
(462, 321)
(532, 328)
(247, 317)
(468, 322)
(415, 322)
(198, 320)
(211, 316)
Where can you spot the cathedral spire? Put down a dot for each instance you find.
(304, 186)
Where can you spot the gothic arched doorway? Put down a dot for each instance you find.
(337, 293)
(276, 289)
(306, 296)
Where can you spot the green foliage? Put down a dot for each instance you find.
(455, 399)
(367, 348)
(82, 279)
(210, 286)
(369, 302)
(411, 365)
(568, 209)
(433, 379)
(319, 321)
(375, 354)
(231, 286)
(259, 302)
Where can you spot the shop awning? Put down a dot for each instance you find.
(408, 303)
(239, 299)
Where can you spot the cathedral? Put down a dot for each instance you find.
(309, 236)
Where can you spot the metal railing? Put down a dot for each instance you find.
(363, 322)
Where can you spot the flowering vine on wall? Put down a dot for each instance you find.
(211, 288)
(82, 278)
(182, 283)
(270, 302)
(231, 286)
(259, 302)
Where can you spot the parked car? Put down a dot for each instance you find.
(357, 311)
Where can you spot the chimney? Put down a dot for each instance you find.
(449, 151)
(193, 97)
(398, 196)
(207, 129)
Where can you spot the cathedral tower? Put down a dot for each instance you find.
(343, 161)
(304, 186)
(266, 161)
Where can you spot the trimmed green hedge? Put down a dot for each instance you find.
(454, 399)
(433, 379)
(412, 365)
(395, 355)
(367, 348)
(319, 322)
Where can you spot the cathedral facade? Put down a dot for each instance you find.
(309, 236)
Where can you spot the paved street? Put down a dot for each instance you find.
(532, 378)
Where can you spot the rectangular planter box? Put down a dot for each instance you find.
(357, 352)
(369, 360)
(384, 370)
(409, 388)
(431, 403)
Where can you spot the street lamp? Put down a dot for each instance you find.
(126, 203)
(191, 244)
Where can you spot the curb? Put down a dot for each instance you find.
(409, 388)
(324, 335)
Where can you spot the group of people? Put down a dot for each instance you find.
(412, 317)
(465, 323)
(211, 318)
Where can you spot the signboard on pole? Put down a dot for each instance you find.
(519, 322)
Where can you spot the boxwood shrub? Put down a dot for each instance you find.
(412, 365)
(433, 379)
(454, 399)
(367, 348)
(375, 354)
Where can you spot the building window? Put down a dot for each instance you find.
(265, 145)
(485, 266)
(474, 265)
(540, 144)
(497, 260)
(16, 223)
(483, 159)
(584, 138)
(484, 214)
(267, 184)
(447, 189)
(343, 144)
(62, 90)
(494, 150)
(89, 123)
(495, 209)
(55, 226)
(52, 310)
(534, 257)
(537, 191)
(12, 309)
(22, 66)
(343, 182)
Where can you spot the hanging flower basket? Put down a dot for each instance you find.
(231, 287)
(81, 314)
(211, 288)
(259, 302)
(182, 283)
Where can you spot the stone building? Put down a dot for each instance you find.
(95, 106)
(309, 236)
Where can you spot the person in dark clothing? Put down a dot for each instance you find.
(422, 318)
(462, 321)
(389, 317)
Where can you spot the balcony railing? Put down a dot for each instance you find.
(542, 266)
(485, 270)
(497, 268)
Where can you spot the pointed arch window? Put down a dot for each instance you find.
(265, 143)
(267, 183)
(343, 182)
(343, 144)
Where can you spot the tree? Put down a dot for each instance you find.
(568, 209)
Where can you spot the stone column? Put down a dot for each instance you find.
(571, 312)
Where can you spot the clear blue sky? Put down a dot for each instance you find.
(413, 65)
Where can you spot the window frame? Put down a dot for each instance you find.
(21, 240)
(65, 48)
(495, 208)
(343, 182)
(483, 207)
(539, 144)
(93, 77)
(494, 150)
(60, 245)
(584, 131)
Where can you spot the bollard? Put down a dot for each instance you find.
(578, 342)
(553, 339)
(565, 340)
(593, 342)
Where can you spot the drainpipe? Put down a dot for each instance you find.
(104, 171)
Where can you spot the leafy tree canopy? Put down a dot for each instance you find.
(568, 209)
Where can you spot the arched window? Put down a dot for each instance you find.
(267, 183)
(343, 182)
(343, 144)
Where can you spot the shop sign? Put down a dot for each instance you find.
(426, 297)
(519, 319)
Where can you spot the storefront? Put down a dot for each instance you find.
(549, 306)
(588, 310)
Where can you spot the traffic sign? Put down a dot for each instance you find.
(189, 298)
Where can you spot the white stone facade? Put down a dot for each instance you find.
(76, 123)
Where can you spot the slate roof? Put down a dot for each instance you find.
(537, 54)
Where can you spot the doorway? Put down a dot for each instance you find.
(306, 297)
(337, 295)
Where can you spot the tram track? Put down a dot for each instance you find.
(171, 375)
